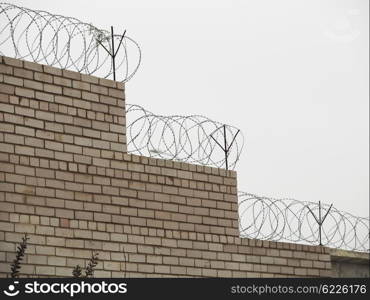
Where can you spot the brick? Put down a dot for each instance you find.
(45, 115)
(91, 133)
(25, 170)
(318, 264)
(44, 96)
(162, 269)
(116, 111)
(109, 136)
(100, 236)
(54, 145)
(45, 230)
(49, 88)
(82, 141)
(90, 96)
(102, 126)
(6, 69)
(65, 138)
(63, 156)
(63, 100)
(64, 213)
(45, 270)
(71, 92)
(32, 66)
(92, 188)
(137, 258)
(81, 85)
(98, 89)
(16, 179)
(6, 127)
(89, 78)
(109, 265)
(63, 118)
(52, 70)
(23, 73)
(6, 167)
(45, 192)
(24, 150)
(62, 81)
(4, 98)
(71, 74)
(37, 259)
(286, 253)
(28, 93)
(7, 89)
(267, 260)
(82, 104)
(146, 268)
(107, 82)
(55, 241)
(99, 108)
(33, 123)
(83, 122)
(101, 144)
(14, 139)
(13, 118)
(25, 111)
(300, 271)
(54, 126)
(43, 77)
(13, 80)
(324, 257)
(33, 85)
(44, 153)
(100, 217)
(72, 148)
(75, 243)
(116, 93)
(24, 228)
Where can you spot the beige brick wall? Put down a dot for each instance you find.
(66, 179)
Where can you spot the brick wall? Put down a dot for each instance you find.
(66, 180)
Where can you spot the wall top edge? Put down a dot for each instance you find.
(14, 62)
(341, 255)
(184, 166)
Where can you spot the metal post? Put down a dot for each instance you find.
(226, 149)
(114, 55)
(113, 52)
(320, 220)
(320, 224)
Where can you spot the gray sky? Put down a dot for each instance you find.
(291, 74)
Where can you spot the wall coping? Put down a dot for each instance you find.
(339, 255)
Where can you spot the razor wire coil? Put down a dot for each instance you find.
(64, 42)
(290, 220)
(181, 138)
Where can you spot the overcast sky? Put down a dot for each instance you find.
(291, 74)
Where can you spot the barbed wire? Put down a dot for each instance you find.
(65, 43)
(193, 139)
(291, 220)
